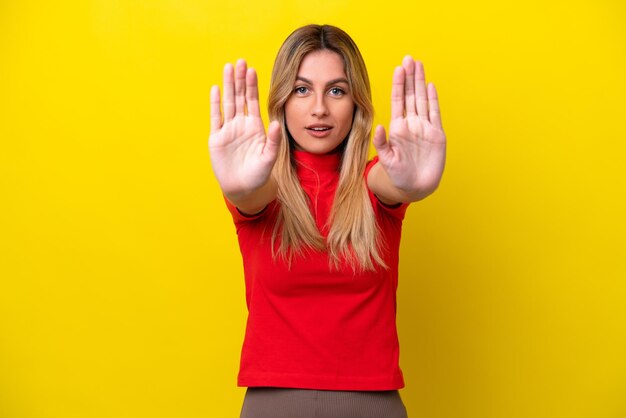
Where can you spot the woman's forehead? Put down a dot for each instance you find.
(322, 64)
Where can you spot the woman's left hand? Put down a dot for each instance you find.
(415, 155)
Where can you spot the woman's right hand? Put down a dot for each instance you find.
(242, 155)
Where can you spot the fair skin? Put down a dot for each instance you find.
(411, 160)
(319, 112)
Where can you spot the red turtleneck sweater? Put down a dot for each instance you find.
(309, 326)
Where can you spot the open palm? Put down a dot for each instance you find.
(414, 156)
(242, 156)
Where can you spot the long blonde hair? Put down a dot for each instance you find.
(353, 236)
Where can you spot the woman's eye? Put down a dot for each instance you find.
(301, 90)
(336, 91)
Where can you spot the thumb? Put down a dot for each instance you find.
(380, 142)
(273, 139)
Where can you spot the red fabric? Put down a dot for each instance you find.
(311, 327)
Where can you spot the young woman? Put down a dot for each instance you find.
(319, 226)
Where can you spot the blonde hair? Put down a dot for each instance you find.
(353, 235)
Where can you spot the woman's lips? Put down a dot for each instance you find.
(319, 131)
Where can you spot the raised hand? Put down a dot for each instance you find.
(242, 155)
(414, 157)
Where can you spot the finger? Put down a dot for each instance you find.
(240, 87)
(229, 92)
(216, 115)
(420, 90)
(433, 104)
(380, 142)
(273, 140)
(252, 93)
(397, 93)
(409, 85)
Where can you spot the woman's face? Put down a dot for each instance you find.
(319, 111)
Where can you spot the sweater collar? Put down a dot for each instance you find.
(308, 164)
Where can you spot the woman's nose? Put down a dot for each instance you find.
(319, 107)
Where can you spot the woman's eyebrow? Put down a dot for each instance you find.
(334, 81)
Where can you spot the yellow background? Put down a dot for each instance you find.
(121, 290)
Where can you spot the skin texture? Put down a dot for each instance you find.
(242, 155)
(411, 159)
(321, 97)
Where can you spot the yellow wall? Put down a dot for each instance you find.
(121, 290)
